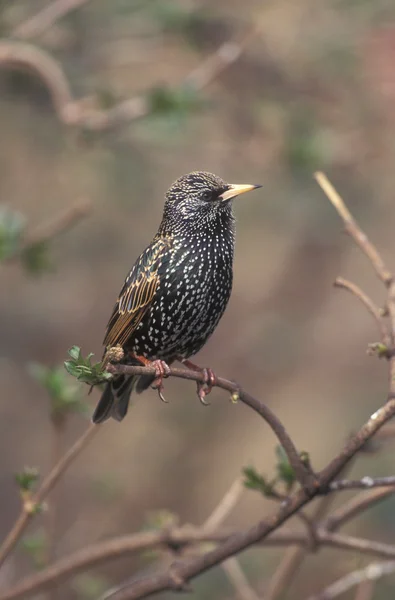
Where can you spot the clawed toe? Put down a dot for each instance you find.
(162, 370)
(205, 387)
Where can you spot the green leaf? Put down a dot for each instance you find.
(285, 471)
(65, 397)
(255, 481)
(27, 478)
(35, 258)
(83, 369)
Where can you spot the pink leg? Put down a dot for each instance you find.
(162, 370)
(203, 389)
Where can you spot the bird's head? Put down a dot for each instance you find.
(199, 198)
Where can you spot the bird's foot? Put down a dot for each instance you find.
(162, 370)
(203, 387)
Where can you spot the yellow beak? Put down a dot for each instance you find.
(237, 189)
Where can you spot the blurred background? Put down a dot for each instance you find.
(310, 85)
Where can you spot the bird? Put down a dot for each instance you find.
(176, 292)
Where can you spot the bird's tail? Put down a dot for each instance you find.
(114, 401)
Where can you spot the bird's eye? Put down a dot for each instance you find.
(207, 195)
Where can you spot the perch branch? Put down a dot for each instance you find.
(304, 476)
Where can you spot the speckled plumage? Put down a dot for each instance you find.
(178, 289)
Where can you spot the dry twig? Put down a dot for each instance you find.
(46, 18)
(28, 509)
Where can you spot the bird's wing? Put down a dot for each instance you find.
(136, 295)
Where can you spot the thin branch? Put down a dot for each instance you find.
(61, 223)
(369, 304)
(372, 572)
(87, 114)
(238, 579)
(365, 590)
(303, 475)
(225, 506)
(354, 230)
(295, 555)
(363, 483)
(28, 509)
(355, 507)
(46, 18)
(123, 546)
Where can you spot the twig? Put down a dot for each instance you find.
(61, 223)
(225, 506)
(46, 18)
(82, 112)
(369, 304)
(372, 572)
(127, 545)
(363, 483)
(49, 482)
(303, 475)
(217, 517)
(355, 507)
(354, 230)
(365, 590)
(294, 556)
(238, 579)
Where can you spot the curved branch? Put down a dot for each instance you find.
(303, 475)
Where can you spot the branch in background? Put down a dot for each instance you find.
(295, 555)
(372, 572)
(369, 305)
(30, 248)
(46, 18)
(85, 112)
(29, 507)
(353, 229)
(178, 537)
(356, 506)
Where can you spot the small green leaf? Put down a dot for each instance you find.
(27, 478)
(285, 471)
(64, 396)
(83, 369)
(35, 258)
(255, 481)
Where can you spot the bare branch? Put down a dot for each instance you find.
(46, 18)
(127, 545)
(28, 509)
(369, 304)
(372, 572)
(353, 229)
(363, 483)
(85, 113)
(355, 507)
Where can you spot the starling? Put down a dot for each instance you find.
(177, 291)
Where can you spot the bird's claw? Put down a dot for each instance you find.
(162, 370)
(205, 387)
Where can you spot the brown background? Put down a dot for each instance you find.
(315, 90)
